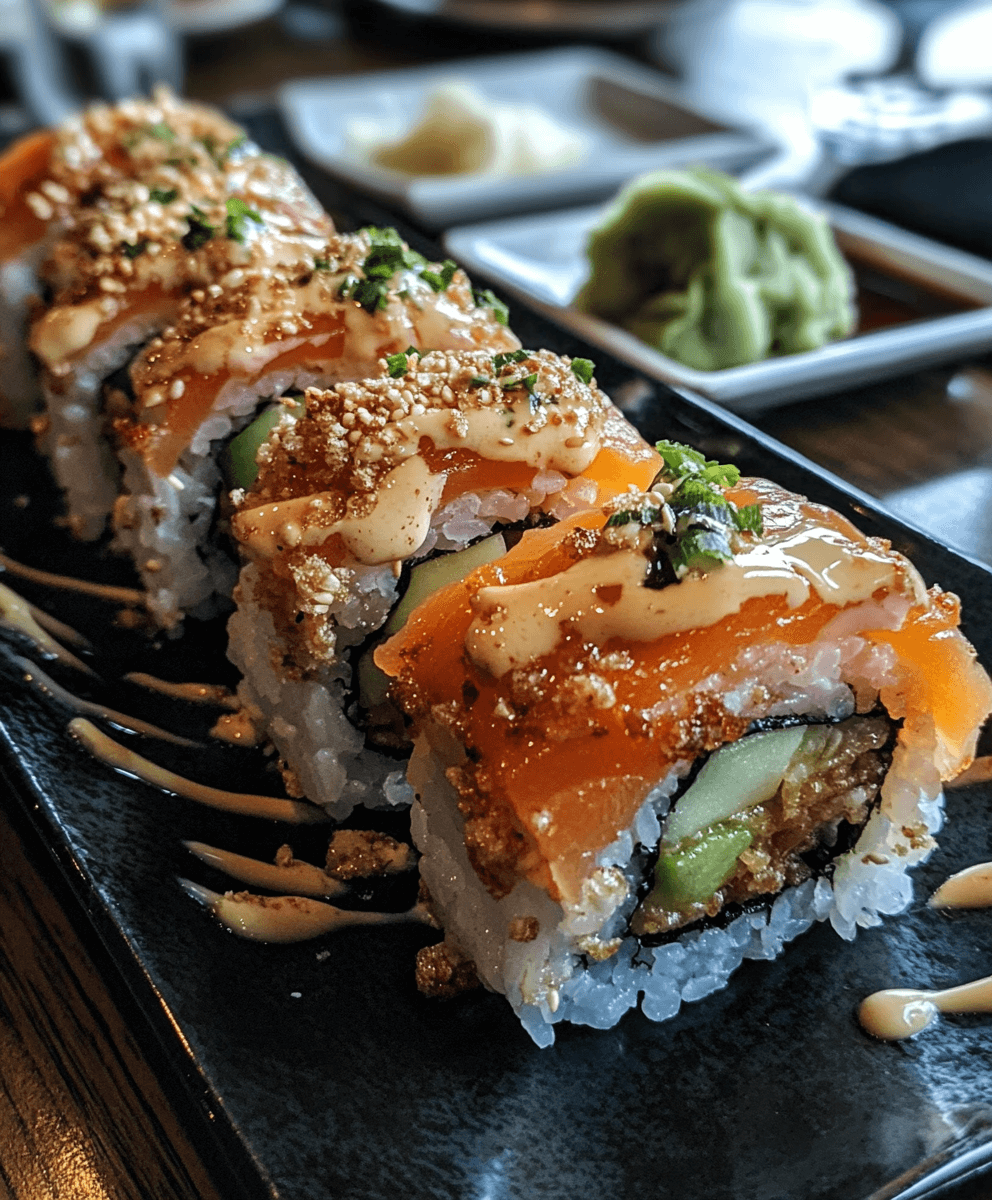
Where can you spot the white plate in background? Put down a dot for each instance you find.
(630, 115)
(541, 259)
(586, 18)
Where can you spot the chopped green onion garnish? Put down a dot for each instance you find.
(485, 298)
(749, 519)
(701, 549)
(161, 131)
(508, 356)
(582, 369)
(163, 195)
(643, 516)
(681, 460)
(200, 230)
(239, 211)
(397, 364)
(525, 381)
(439, 280)
(132, 251)
(696, 491)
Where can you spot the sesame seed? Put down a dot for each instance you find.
(39, 206)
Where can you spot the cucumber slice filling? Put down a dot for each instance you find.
(759, 816)
(240, 454)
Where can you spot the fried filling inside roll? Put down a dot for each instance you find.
(764, 813)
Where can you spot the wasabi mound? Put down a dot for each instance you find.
(714, 276)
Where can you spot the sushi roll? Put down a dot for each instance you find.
(381, 492)
(49, 178)
(237, 350)
(195, 203)
(661, 737)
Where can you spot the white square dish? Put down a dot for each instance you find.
(630, 116)
(541, 259)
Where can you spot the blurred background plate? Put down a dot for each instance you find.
(583, 17)
(920, 303)
(631, 117)
(197, 17)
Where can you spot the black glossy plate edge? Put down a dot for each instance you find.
(233, 1169)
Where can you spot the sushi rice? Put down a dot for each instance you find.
(552, 978)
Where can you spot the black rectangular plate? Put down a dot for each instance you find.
(318, 1071)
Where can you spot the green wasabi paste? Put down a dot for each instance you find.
(714, 276)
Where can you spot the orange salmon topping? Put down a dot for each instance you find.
(22, 168)
(572, 743)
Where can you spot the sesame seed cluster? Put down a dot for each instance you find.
(105, 144)
(264, 302)
(156, 180)
(354, 433)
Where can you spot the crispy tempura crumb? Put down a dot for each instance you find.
(359, 853)
(524, 929)
(443, 972)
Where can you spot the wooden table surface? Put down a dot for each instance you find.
(83, 1115)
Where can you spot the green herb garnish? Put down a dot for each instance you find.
(682, 461)
(700, 549)
(239, 211)
(525, 381)
(508, 356)
(440, 280)
(200, 230)
(749, 519)
(706, 522)
(397, 364)
(163, 195)
(696, 492)
(321, 264)
(130, 250)
(643, 516)
(386, 256)
(161, 131)
(485, 298)
(582, 369)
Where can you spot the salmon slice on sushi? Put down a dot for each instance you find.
(381, 493)
(200, 204)
(49, 178)
(664, 736)
(239, 354)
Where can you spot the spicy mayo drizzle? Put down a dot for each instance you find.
(900, 1012)
(290, 918)
(43, 683)
(195, 693)
(296, 812)
(970, 888)
(102, 591)
(304, 878)
(17, 614)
